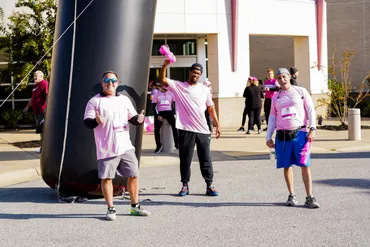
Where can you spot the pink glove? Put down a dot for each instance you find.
(165, 50)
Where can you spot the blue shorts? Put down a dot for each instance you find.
(288, 152)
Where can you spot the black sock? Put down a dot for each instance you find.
(135, 205)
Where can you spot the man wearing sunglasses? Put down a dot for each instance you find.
(192, 100)
(109, 114)
(290, 109)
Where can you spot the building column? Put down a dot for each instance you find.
(201, 57)
(213, 64)
(302, 61)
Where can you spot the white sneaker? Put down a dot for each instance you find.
(38, 151)
(111, 214)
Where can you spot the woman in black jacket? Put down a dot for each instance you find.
(253, 102)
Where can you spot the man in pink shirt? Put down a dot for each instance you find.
(109, 114)
(290, 109)
(192, 99)
(163, 102)
(38, 102)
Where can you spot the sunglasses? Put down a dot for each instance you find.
(108, 80)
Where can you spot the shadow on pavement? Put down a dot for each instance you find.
(352, 155)
(240, 155)
(51, 216)
(347, 182)
(35, 195)
(15, 155)
(237, 155)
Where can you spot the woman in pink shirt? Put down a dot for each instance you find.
(162, 103)
(271, 86)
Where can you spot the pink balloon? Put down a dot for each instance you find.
(150, 128)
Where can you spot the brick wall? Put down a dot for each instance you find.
(270, 52)
(349, 28)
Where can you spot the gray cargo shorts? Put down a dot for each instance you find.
(126, 165)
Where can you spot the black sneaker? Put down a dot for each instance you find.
(211, 191)
(292, 200)
(248, 132)
(241, 129)
(311, 202)
(184, 191)
(158, 149)
(265, 129)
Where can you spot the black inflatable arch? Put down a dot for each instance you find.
(109, 35)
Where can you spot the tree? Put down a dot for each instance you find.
(28, 36)
(1, 18)
(339, 97)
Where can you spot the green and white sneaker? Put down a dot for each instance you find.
(137, 211)
(111, 214)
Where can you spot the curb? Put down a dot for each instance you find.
(30, 174)
(19, 176)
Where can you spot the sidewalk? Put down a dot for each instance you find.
(20, 165)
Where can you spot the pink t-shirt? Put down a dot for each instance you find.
(153, 92)
(191, 104)
(112, 138)
(273, 83)
(163, 100)
(288, 108)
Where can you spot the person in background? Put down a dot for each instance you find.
(271, 86)
(208, 118)
(245, 111)
(253, 102)
(163, 103)
(294, 75)
(38, 102)
(155, 89)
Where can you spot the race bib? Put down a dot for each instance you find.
(288, 113)
(165, 102)
(119, 126)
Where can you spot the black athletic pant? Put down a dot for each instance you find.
(209, 121)
(187, 142)
(157, 127)
(254, 117)
(245, 112)
(266, 109)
